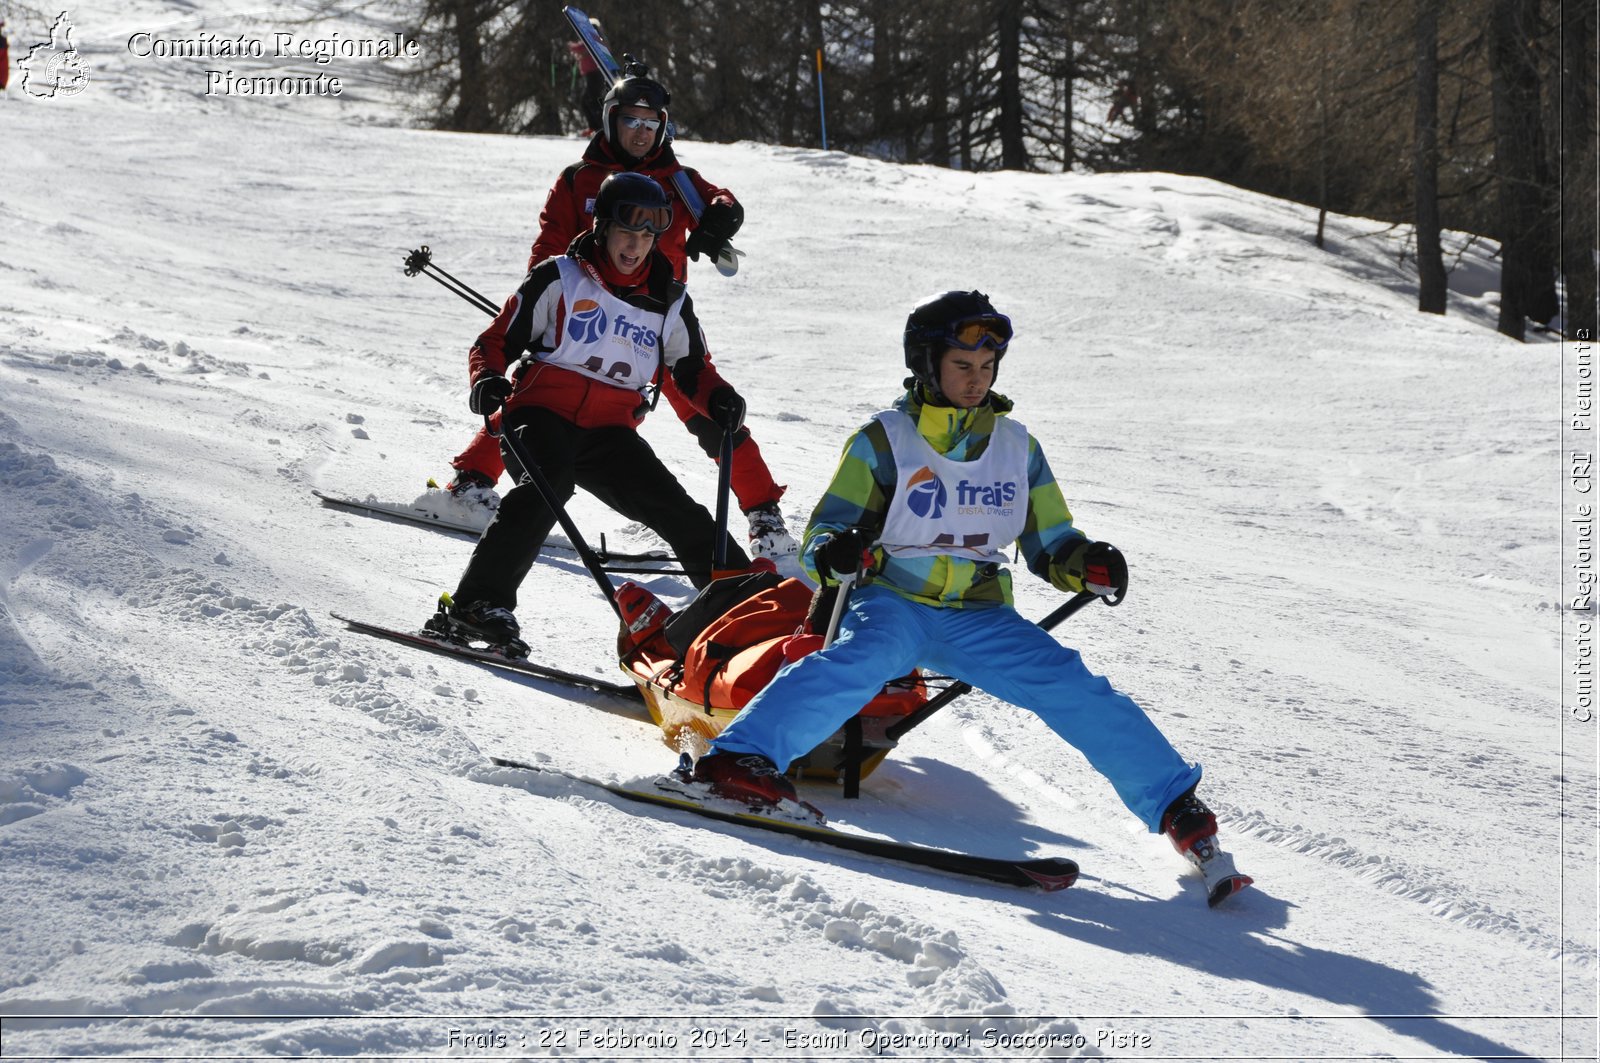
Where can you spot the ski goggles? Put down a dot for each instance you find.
(633, 121)
(979, 332)
(636, 218)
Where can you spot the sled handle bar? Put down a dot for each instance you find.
(955, 690)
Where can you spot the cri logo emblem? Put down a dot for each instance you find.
(925, 494)
(588, 321)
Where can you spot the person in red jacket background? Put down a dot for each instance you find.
(594, 79)
(602, 325)
(633, 138)
(5, 58)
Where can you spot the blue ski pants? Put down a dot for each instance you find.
(883, 635)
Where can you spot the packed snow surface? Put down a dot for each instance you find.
(231, 826)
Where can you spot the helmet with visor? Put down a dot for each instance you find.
(965, 321)
(632, 201)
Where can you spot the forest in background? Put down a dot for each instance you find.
(1478, 116)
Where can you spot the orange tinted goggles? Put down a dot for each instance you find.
(638, 219)
(992, 332)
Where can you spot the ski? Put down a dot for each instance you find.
(492, 659)
(1050, 873)
(440, 520)
(428, 517)
(599, 51)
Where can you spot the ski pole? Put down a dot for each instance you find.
(846, 581)
(421, 261)
(719, 554)
(534, 475)
(955, 690)
(850, 761)
(853, 754)
(822, 103)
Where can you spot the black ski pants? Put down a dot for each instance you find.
(615, 465)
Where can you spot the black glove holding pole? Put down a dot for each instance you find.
(843, 552)
(1098, 568)
(489, 393)
(726, 407)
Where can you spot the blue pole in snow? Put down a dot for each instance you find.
(822, 103)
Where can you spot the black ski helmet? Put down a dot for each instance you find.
(635, 88)
(931, 327)
(633, 200)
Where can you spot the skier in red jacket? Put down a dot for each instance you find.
(633, 139)
(594, 79)
(602, 326)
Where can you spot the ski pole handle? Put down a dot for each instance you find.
(846, 581)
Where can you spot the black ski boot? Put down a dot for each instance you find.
(1186, 821)
(467, 622)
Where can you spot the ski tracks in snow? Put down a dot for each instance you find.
(1433, 888)
(892, 964)
(938, 977)
(266, 720)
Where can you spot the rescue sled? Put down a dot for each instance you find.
(698, 668)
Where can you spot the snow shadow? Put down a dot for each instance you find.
(1240, 943)
(936, 803)
(600, 700)
(20, 666)
(551, 786)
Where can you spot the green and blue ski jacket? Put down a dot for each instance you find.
(859, 494)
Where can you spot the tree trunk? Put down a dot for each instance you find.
(472, 103)
(939, 108)
(1069, 72)
(964, 97)
(546, 96)
(1579, 222)
(799, 59)
(819, 81)
(1431, 282)
(1323, 134)
(1515, 89)
(881, 85)
(1013, 153)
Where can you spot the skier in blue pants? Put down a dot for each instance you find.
(883, 635)
(930, 494)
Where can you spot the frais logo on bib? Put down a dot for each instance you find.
(588, 321)
(641, 336)
(997, 497)
(925, 494)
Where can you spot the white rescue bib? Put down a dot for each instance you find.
(604, 337)
(971, 509)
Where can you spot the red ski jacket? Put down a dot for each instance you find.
(533, 320)
(569, 208)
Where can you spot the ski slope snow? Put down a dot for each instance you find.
(229, 826)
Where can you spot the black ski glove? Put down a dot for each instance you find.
(843, 552)
(718, 224)
(726, 408)
(1098, 568)
(1105, 570)
(489, 393)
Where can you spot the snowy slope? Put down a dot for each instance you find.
(230, 826)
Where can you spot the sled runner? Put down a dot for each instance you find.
(698, 668)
